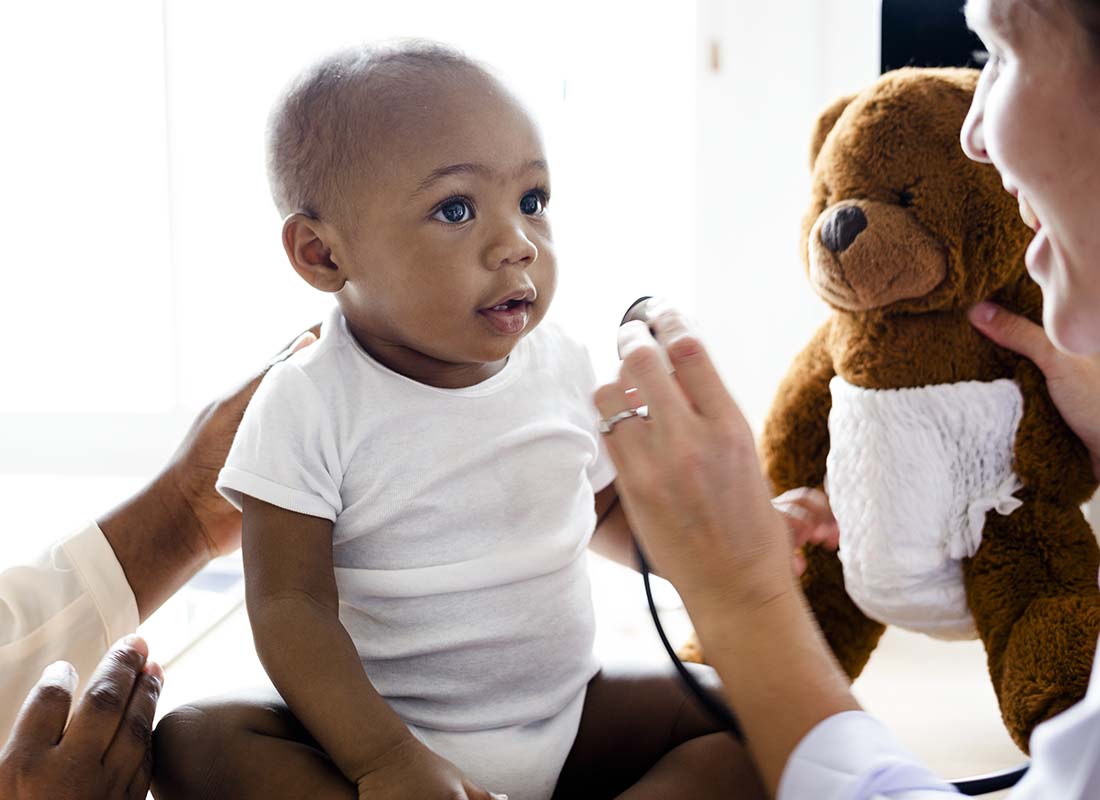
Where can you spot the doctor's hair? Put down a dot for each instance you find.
(323, 125)
(1087, 14)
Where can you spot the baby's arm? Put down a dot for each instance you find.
(612, 538)
(293, 607)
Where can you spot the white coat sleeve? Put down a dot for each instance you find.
(853, 756)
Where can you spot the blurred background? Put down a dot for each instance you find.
(145, 275)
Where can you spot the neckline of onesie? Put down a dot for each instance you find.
(491, 385)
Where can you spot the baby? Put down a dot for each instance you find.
(420, 486)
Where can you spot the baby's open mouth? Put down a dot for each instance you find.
(509, 317)
(509, 305)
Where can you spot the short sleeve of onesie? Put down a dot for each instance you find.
(601, 472)
(285, 452)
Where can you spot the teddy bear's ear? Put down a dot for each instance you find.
(825, 123)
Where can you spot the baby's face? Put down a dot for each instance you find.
(447, 253)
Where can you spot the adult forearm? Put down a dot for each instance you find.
(780, 677)
(158, 541)
(313, 663)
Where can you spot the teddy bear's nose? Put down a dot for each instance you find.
(842, 228)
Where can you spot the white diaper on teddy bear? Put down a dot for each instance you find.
(911, 476)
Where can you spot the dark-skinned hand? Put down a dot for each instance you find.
(104, 752)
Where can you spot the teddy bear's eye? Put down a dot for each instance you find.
(905, 198)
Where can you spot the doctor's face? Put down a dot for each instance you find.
(1036, 118)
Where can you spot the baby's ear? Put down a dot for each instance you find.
(306, 241)
(825, 123)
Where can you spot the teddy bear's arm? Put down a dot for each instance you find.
(794, 447)
(795, 441)
(1049, 458)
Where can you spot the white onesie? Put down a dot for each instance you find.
(461, 518)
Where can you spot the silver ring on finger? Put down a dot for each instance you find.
(607, 424)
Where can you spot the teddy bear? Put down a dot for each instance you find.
(956, 485)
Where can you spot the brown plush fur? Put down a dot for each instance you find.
(941, 235)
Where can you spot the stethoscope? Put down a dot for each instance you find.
(977, 785)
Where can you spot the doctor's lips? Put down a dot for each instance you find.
(509, 314)
(1027, 213)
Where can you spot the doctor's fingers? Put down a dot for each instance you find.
(129, 756)
(103, 707)
(695, 371)
(629, 439)
(42, 719)
(643, 368)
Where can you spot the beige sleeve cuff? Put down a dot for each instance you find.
(71, 603)
(92, 557)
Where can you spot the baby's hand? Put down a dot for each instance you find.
(810, 520)
(413, 772)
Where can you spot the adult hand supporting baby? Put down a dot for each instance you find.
(1072, 380)
(104, 752)
(170, 529)
(696, 498)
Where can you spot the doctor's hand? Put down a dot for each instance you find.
(1073, 381)
(171, 529)
(196, 463)
(104, 752)
(689, 477)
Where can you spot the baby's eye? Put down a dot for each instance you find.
(454, 211)
(533, 203)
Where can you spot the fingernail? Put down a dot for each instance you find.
(673, 327)
(654, 306)
(155, 671)
(134, 642)
(61, 673)
(983, 313)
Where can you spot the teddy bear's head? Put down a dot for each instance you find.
(901, 220)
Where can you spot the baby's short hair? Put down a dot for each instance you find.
(315, 134)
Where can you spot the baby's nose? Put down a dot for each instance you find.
(513, 248)
(842, 228)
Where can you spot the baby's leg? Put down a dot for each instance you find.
(642, 736)
(241, 748)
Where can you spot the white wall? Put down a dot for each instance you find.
(780, 64)
(144, 273)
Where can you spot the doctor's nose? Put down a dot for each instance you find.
(973, 135)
